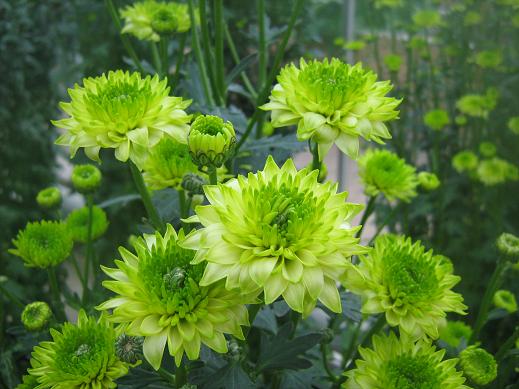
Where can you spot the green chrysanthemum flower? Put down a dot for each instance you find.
(389, 3)
(279, 231)
(460, 120)
(427, 19)
(77, 223)
(394, 363)
(508, 245)
(428, 181)
(160, 297)
(86, 178)
(513, 124)
(506, 300)
(122, 111)
(496, 171)
(148, 20)
(382, 171)
(478, 105)
(454, 332)
(81, 356)
(167, 164)
(331, 101)
(28, 382)
(465, 160)
(211, 141)
(36, 316)
(487, 149)
(354, 45)
(43, 244)
(410, 285)
(478, 365)
(436, 119)
(489, 59)
(49, 198)
(393, 62)
(472, 18)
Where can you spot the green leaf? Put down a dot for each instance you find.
(266, 320)
(119, 200)
(238, 69)
(167, 204)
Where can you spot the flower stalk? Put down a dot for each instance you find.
(55, 292)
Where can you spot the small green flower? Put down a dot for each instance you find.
(43, 244)
(411, 286)
(279, 231)
(354, 45)
(460, 120)
(393, 62)
(508, 245)
(382, 171)
(454, 332)
(81, 356)
(211, 141)
(122, 111)
(160, 297)
(472, 18)
(86, 178)
(436, 119)
(513, 124)
(394, 363)
(489, 59)
(478, 105)
(389, 3)
(129, 348)
(332, 102)
(487, 149)
(167, 164)
(478, 365)
(496, 171)
(428, 181)
(36, 316)
(77, 224)
(427, 19)
(49, 198)
(465, 160)
(506, 300)
(28, 382)
(150, 19)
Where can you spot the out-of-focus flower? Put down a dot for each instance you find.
(36, 315)
(465, 160)
(77, 224)
(49, 198)
(428, 181)
(513, 124)
(393, 62)
(472, 18)
(436, 119)
(506, 300)
(86, 178)
(454, 332)
(496, 171)
(478, 105)
(508, 245)
(427, 19)
(478, 365)
(489, 58)
(487, 149)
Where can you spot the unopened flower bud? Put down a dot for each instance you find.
(36, 316)
(506, 300)
(86, 178)
(49, 198)
(129, 348)
(478, 365)
(428, 181)
(193, 183)
(508, 245)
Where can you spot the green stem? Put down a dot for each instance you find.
(253, 312)
(184, 207)
(206, 47)
(262, 42)
(153, 215)
(375, 328)
(352, 344)
(55, 292)
(367, 213)
(218, 46)
(295, 317)
(213, 177)
(126, 42)
(78, 272)
(11, 296)
(325, 350)
(509, 343)
(180, 59)
(387, 219)
(170, 378)
(236, 58)
(180, 376)
(89, 247)
(164, 60)
(316, 164)
(156, 58)
(493, 284)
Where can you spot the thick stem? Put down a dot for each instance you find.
(170, 378)
(218, 46)
(206, 47)
(325, 351)
(253, 310)
(314, 149)
(156, 58)
(387, 219)
(367, 213)
(153, 215)
(213, 177)
(55, 292)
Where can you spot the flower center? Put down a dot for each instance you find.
(210, 125)
(164, 20)
(411, 372)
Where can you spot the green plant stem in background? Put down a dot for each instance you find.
(153, 215)
(89, 247)
(164, 59)
(179, 62)
(218, 46)
(55, 292)
(493, 285)
(213, 177)
(207, 48)
(156, 58)
(11, 296)
(505, 347)
(389, 217)
(325, 351)
(184, 208)
(180, 376)
(352, 344)
(367, 213)
(126, 42)
(262, 42)
(236, 59)
(366, 340)
(78, 271)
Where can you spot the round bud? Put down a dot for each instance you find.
(49, 198)
(86, 178)
(478, 365)
(508, 245)
(129, 348)
(506, 300)
(36, 316)
(428, 181)
(193, 183)
(235, 351)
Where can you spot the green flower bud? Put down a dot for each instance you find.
(428, 181)
(465, 161)
(36, 316)
(427, 19)
(513, 124)
(77, 224)
(487, 149)
(235, 352)
(86, 178)
(508, 245)
(478, 365)
(129, 348)
(506, 300)
(268, 129)
(436, 119)
(354, 45)
(211, 141)
(193, 184)
(49, 198)
(460, 120)
(393, 62)
(489, 58)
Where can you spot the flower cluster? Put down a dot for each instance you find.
(478, 105)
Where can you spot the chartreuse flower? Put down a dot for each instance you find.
(478, 365)
(465, 160)
(496, 171)
(506, 300)
(427, 18)
(515, 20)
(278, 231)
(460, 120)
(382, 171)
(43, 244)
(122, 111)
(167, 164)
(389, 3)
(489, 58)
(49, 198)
(36, 315)
(393, 62)
(428, 181)
(471, 18)
(331, 101)
(28, 382)
(454, 332)
(508, 245)
(159, 296)
(150, 19)
(487, 149)
(86, 179)
(77, 223)
(79, 356)
(393, 363)
(411, 286)
(436, 119)
(513, 124)
(478, 105)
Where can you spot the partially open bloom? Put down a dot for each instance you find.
(43, 244)
(279, 231)
(506, 300)
(394, 363)
(160, 297)
(436, 119)
(122, 111)
(411, 286)
(86, 179)
(77, 224)
(428, 181)
(149, 19)
(382, 171)
(332, 102)
(465, 160)
(36, 315)
(487, 149)
(478, 365)
(167, 164)
(513, 124)
(454, 332)
(49, 198)
(508, 245)
(478, 105)
(81, 356)
(496, 171)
